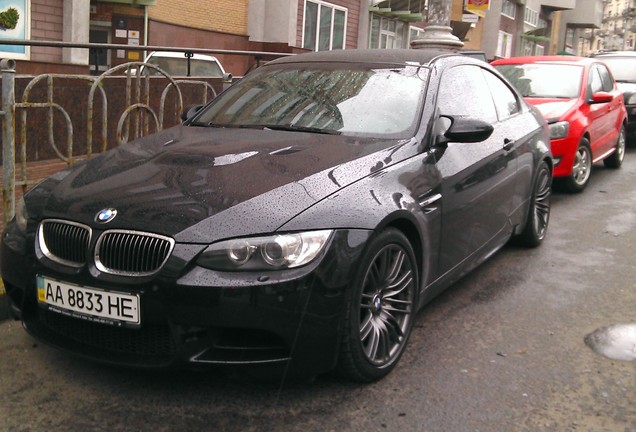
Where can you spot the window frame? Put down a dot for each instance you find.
(316, 41)
(399, 38)
(531, 17)
(511, 6)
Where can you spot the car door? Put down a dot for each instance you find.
(616, 114)
(478, 179)
(602, 115)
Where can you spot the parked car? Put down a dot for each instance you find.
(583, 107)
(301, 218)
(177, 64)
(622, 64)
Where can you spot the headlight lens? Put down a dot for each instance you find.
(559, 129)
(631, 100)
(273, 252)
(21, 215)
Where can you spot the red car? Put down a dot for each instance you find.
(583, 107)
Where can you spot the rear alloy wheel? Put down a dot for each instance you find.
(581, 169)
(539, 211)
(380, 312)
(615, 160)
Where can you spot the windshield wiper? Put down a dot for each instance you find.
(288, 127)
(295, 128)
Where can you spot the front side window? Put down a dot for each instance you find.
(464, 92)
(595, 82)
(608, 82)
(506, 101)
(320, 98)
(324, 27)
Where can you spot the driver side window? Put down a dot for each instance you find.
(465, 92)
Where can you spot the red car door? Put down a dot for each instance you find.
(604, 113)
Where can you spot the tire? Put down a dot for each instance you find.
(581, 169)
(380, 311)
(615, 160)
(539, 211)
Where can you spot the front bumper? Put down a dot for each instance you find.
(563, 152)
(199, 316)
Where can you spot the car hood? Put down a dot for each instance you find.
(552, 109)
(202, 184)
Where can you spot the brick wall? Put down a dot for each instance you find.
(226, 16)
(46, 24)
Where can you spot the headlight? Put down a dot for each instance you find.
(559, 129)
(21, 215)
(631, 100)
(273, 252)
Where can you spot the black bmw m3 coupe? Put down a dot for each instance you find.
(300, 219)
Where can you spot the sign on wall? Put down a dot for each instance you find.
(15, 23)
(477, 5)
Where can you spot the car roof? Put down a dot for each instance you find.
(557, 59)
(391, 56)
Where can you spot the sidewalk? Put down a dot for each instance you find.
(36, 171)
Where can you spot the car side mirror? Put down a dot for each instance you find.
(466, 130)
(190, 111)
(601, 97)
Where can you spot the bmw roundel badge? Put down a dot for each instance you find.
(106, 215)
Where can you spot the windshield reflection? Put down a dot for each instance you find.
(368, 102)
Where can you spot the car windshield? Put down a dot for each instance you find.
(544, 80)
(323, 98)
(176, 66)
(623, 68)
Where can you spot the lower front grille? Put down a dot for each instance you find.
(149, 340)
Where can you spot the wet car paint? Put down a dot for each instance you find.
(456, 202)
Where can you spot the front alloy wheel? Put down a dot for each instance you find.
(380, 312)
(539, 212)
(581, 169)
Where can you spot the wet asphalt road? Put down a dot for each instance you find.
(503, 350)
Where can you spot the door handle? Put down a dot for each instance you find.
(508, 144)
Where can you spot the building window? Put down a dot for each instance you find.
(324, 26)
(528, 47)
(504, 44)
(508, 9)
(415, 33)
(569, 37)
(531, 17)
(388, 33)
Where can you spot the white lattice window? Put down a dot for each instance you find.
(324, 26)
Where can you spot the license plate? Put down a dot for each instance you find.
(88, 303)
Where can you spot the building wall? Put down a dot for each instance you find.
(225, 16)
(46, 24)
